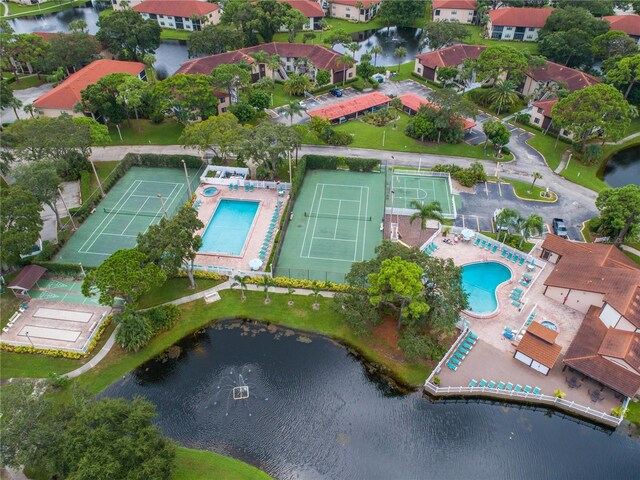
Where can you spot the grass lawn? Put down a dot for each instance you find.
(633, 413)
(476, 39)
(525, 247)
(104, 169)
(368, 136)
(165, 133)
(9, 303)
(347, 26)
(174, 288)
(173, 34)
(27, 81)
(632, 256)
(546, 145)
(201, 465)
(280, 98)
(17, 10)
(524, 190)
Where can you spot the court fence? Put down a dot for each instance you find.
(318, 275)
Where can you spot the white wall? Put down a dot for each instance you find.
(453, 15)
(609, 316)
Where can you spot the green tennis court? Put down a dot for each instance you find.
(61, 291)
(336, 221)
(408, 185)
(138, 200)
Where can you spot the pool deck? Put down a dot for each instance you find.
(268, 199)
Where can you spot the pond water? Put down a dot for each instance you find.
(623, 168)
(315, 411)
(389, 39)
(169, 55)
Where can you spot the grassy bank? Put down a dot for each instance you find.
(165, 133)
(633, 413)
(103, 169)
(17, 10)
(173, 34)
(201, 465)
(173, 289)
(476, 39)
(524, 190)
(27, 81)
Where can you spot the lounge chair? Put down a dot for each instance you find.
(521, 261)
(466, 345)
(458, 355)
(527, 276)
(516, 303)
(504, 252)
(507, 335)
(515, 258)
(470, 340)
(5, 329)
(537, 391)
(483, 383)
(527, 388)
(494, 249)
(251, 187)
(518, 388)
(523, 283)
(463, 350)
(509, 386)
(472, 335)
(455, 361)
(235, 186)
(452, 366)
(489, 245)
(509, 255)
(515, 296)
(473, 382)
(500, 386)
(517, 290)
(246, 187)
(483, 243)
(491, 384)
(435, 247)
(231, 186)
(475, 244)
(508, 329)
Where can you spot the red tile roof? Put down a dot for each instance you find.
(322, 57)
(28, 277)
(352, 3)
(450, 56)
(594, 337)
(67, 94)
(176, 8)
(546, 106)
(542, 332)
(455, 4)
(351, 106)
(414, 102)
(309, 8)
(554, 72)
(48, 36)
(520, 17)
(629, 24)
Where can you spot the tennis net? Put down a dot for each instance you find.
(338, 217)
(138, 213)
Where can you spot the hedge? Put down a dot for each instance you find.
(62, 269)
(298, 176)
(321, 162)
(301, 283)
(330, 162)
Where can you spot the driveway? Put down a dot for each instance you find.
(320, 101)
(26, 96)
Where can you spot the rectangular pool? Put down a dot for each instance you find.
(227, 230)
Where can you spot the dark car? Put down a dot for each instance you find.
(559, 228)
(336, 92)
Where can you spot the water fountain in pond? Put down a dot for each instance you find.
(235, 389)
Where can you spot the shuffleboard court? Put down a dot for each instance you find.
(336, 222)
(50, 333)
(69, 315)
(130, 207)
(425, 187)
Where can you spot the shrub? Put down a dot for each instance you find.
(591, 154)
(321, 162)
(58, 381)
(85, 185)
(134, 332)
(380, 118)
(339, 138)
(71, 167)
(162, 318)
(467, 177)
(298, 176)
(286, 282)
(243, 111)
(361, 164)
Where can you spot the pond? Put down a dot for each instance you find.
(169, 55)
(314, 410)
(389, 39)
(623, 168)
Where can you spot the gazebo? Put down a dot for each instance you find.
(26, 279)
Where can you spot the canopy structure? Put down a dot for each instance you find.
(255, 264)
(26, 279)
(468, 234)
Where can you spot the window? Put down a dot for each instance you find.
(350, 75)
(153, 16)
(162, 23)
(347, 15)
(509, 28)
(529, 37)
(536, 120)
(454, 12)
(437, 13)
(540, 110)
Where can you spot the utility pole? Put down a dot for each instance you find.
(66, 208)
(164, 210)
(186, 175)
(97, 177)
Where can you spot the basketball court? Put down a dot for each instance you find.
(336, 222)
(138, 200)
(405, 186)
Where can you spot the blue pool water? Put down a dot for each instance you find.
(480, 281)
(549, 325)
(210, 191)
(228, 229)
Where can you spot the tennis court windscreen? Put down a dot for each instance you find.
(361, 218)
(139, 213)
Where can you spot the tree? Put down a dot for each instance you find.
(446, 75)
(243, 111)
(149, 59)
(504, 220)
(294, 21)
(131, 93)
(401, 12)
(259, 99)
(620, 212)
(503, 94)
(572, 48)
(497, 133)
(597, 107)
(565, 19)
(353, 47)
(231, 77)
(267, 283)
(72, 51)
(187, 97)
(128, 35)
(27, 51)
(219, 134)
(452, 104)
(398, 285)
(536, 176)
(297, 84)
(420, 126)
(126, 274)
(375, 51)
(598, 8)
(502, 60)
(259, 19)
(318, 125)
(20, 224)
(323, 77)
(292, 109)
(613, 44)
(7, 99)
(625, 73)
(532, 225)
(436, 35)
(42, 180)
(269, 145)
(346, 61)
(98, 133)
(214, 39)
(337, 36)
(306, 36)
(242, 282)
(134, 331)
(425, 211)
(400, 53)
(101, 98)
(173, 244)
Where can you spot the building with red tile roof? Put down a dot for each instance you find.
(538, 349)
(517, 23)
(540, 116)
(347, 109)
(64, 97)
(310, 9)
(348, 9)
(460, 11)
(629, 24)
(428, 63)
(552, 72)
(180, 14)
(411, 104)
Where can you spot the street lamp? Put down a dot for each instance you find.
(164, 210)
(28, 338)
(187, 177)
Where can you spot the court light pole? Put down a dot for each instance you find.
(164, 210)
(187, 177)
(29, 338)
(97, 177)
(67, 209)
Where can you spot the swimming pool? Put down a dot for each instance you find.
(549, 325)
(210, 192)
(227, 230)
(480, 281)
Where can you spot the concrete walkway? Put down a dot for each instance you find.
(96, 359)
(625, 139)
(635, 251)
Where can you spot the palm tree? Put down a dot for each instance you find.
(400, 53)
(149, 59)
(267, 284)
(375, 50)
(353, 47)
(260, 57)
(503, 94)
(315, 288)
(425, 211)
(241, 281)
(292, 109)
(15, 104)
(290, 293)
(30, 109)
(273, 62)
(532, 225)
(504, 219)
(366, 57)
(347, 61)
(536, 176)
(297, 84)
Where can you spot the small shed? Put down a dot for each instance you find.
(538, 349)
(26, 279)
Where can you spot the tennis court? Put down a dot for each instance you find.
(138, 200)
(61, 291)
(426, 187)
(336, 221)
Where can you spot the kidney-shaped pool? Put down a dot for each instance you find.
(481, 281)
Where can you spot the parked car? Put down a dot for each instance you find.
(336, 92)
(559, 228)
